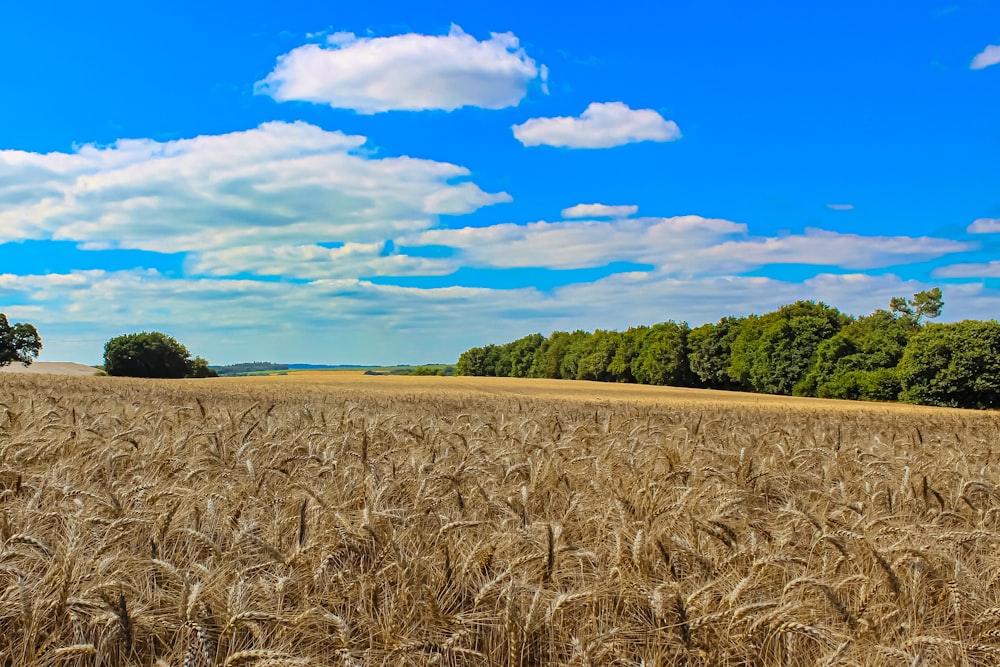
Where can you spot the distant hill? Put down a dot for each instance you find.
(249, 367)
(269, 368)
(356, 367)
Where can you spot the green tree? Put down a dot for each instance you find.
(859, 361)
(772, 353)
(198, 368)
(662, 359)
(151, 354)
(522, 354)
(498, 361)
(18, 343)
(578, 347)
(953, 365)
(472, 362)
(548, 358)
(598, 355)
(629, 346)
(927, 304)
(710, 352)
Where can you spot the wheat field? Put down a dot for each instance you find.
(305, 520)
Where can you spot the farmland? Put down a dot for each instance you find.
(337, 519)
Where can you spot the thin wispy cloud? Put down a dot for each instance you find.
(601, 125)
(410, 72)
(366, 320)
(580, 244)
(969, 270)
(316, 262)
(688, 245)
(820, 247)
(599, 211)
(840, 207)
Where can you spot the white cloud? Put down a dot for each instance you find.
(819, 247)
(688, 245)
(840, 207)
(623, 300)
(462, 198)
(588, 243)
(989, 56)
(405, 72)
(352, 321)
(294, 201)
(352, 260)
(602, 125)
(340, 38)
(984, 226)
(970, 270)
(599, 211)
(228, 320)
(280, 184)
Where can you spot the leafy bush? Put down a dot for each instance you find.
(878, 385)
(152, 354)
(427, 370)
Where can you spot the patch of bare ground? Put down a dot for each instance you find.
(284, 521)
(51, 368)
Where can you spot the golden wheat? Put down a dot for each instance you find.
(284, 522)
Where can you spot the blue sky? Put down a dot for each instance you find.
(395, 182)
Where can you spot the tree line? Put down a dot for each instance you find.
(149, 354)
(248, 367)
(801, 349)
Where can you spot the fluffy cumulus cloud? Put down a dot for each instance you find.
(410, 72)
(281, 184)
(298, 201)
(985, 226)
(989, 56)
(292, 235)
(599, 211)
(601, 125)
